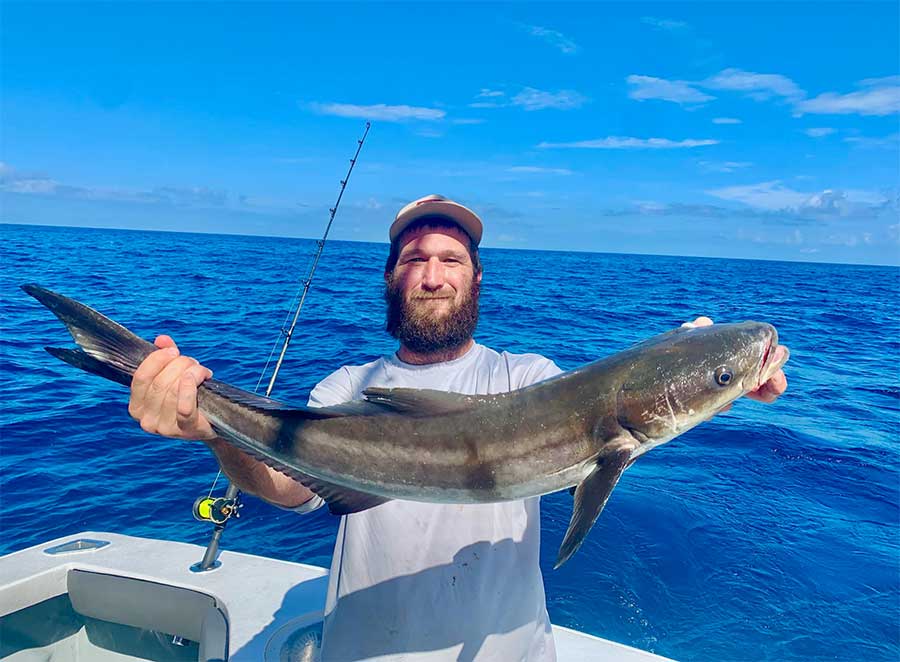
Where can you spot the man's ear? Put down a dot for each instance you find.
(478, 276)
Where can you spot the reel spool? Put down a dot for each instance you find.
(217, 510)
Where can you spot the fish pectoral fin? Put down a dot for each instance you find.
(341, 500)
(592, 494)
(422, 402)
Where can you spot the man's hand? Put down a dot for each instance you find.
(769, 391)
(164, 394)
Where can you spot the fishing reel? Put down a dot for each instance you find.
(217, 510)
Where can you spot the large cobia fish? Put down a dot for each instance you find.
(582, 428)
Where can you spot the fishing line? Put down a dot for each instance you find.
(220, 510)
(262, 374)
(287, 316)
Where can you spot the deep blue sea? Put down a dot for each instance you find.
(768, 533)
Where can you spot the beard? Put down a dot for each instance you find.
(414, 323)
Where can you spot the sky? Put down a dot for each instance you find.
(722, 129)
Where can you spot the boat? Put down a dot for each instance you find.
(111, 597)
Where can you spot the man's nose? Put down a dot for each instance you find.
(433, 278)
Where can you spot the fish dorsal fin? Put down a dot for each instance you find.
(421, 402)
(593, 492)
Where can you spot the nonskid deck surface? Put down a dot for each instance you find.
(280, 616)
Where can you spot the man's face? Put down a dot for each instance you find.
(432, 293)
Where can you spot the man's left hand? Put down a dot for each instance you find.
(767, 392)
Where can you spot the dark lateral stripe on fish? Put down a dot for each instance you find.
(584, 427)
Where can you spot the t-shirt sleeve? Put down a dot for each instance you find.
(335, 389)
(528, 369)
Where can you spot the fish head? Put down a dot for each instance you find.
(682, 378)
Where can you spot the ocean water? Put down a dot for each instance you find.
(768, 533)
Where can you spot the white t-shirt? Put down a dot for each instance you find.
(423, 582)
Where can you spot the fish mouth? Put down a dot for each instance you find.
(774, 357)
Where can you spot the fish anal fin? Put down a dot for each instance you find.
(593, 492)
(421, 402)
(81, 359)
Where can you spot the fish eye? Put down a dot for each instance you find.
(724, 376)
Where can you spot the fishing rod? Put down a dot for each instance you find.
(220, 510)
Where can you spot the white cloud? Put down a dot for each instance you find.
(623, 142)
(537, 170)
(188, 196)
(533, 99)
(554, 38)
(198, 197)
(893, 231)
(16, 181)
(771, 196)
(664, 23)
(724, 166)
(881, 97)
(33, 185)
(770, 201)
(790, 238)
(884, 80)
(677, 91)
(860, 196)
(819, 132)
(757, 86)
(430, 133)
(775, 197)
(891, 141)
(877, 96)
(379, 112)
(530, 98)
(506, 238)
(843, 239)
(468, 120)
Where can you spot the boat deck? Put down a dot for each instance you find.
(264, 601)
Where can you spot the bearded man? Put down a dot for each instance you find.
(409, 581)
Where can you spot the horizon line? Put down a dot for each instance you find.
(502, 248)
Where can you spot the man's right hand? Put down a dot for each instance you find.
(164, 400)
(164, 394)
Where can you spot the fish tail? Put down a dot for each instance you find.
(106, 349)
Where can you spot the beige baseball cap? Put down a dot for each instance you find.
(438, 205)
